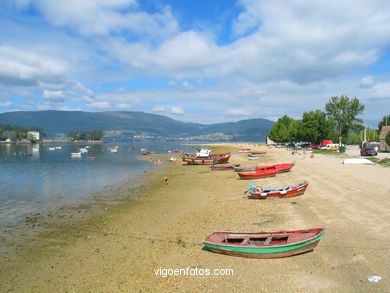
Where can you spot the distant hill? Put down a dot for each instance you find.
(134, 123)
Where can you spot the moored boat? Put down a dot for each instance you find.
(253, 158)
(203, 156)
(264, 244)
(257, 153)
(75, 155)
(280, 167)
(257, 175)
(244, 150)
(259, 192)
(222, 168)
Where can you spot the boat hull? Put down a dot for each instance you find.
(256, 175)
(213, 159)
(299, 190)
(299, 250)
(287, 243)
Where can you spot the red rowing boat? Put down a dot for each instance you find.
(212, 159)
(257, 175)
(278, 167)
(259, 192)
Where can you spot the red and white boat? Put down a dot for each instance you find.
(203, 156)
(244, 150)
(259, 192)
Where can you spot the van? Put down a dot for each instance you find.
(331, 147)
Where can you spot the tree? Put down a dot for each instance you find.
(344, 112)
(315, 127)
(385, 121)
(285, 129)
(73, 135)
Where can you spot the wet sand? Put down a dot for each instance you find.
(162, 226)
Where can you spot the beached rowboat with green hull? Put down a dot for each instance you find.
(264, 244)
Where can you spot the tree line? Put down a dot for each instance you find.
(94, 134)
(15, 132)
(337, 122)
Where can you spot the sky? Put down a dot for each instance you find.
(195, 61)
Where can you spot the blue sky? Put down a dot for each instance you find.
(197, 61)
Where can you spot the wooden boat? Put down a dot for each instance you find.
(253, 158)
(264, 244)
(259, 192)
(221, 168)
(91, 158)
(203, 156)
(257, 153)
(244, 150)
(280, 167)
(257, 175)
(149, 153)
(25, 154)
(244, 169)
(213, 159)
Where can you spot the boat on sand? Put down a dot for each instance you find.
(264, 244)
(259, 192)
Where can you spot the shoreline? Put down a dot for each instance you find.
(119, 249)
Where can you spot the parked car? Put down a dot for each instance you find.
(314, 146)
(368, 152)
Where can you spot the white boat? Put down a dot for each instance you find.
(52, 149)
(358, 161)
(75, 155)
(58, 147)
(83, 150)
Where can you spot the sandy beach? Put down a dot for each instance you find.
(159, 226)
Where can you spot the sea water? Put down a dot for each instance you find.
(52, 178)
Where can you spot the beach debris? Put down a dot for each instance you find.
(374, 279)
(357, 161)
(165, 180)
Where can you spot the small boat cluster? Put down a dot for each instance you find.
(260, 244)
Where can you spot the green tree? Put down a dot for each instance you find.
(344, 112)
(73, 135)
(315, 127)
(385, 121)
(285, 129)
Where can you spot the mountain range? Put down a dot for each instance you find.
(134, 123)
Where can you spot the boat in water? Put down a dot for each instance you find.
(259, 192)
(264, 244)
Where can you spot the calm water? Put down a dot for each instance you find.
(48, 179)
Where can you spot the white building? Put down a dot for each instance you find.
(33, 135)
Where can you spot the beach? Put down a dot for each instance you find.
(125, 246)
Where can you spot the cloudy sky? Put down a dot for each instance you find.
(200, 61)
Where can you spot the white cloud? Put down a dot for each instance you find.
(6, 104)
(176, 111)
(367, 81)
(159, 109)
(55, 96)
(124, 106)
(23, 68)
(100, 17)
(99, 105)
(238, 112)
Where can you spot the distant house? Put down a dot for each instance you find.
(383, 145)
(33, 135)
